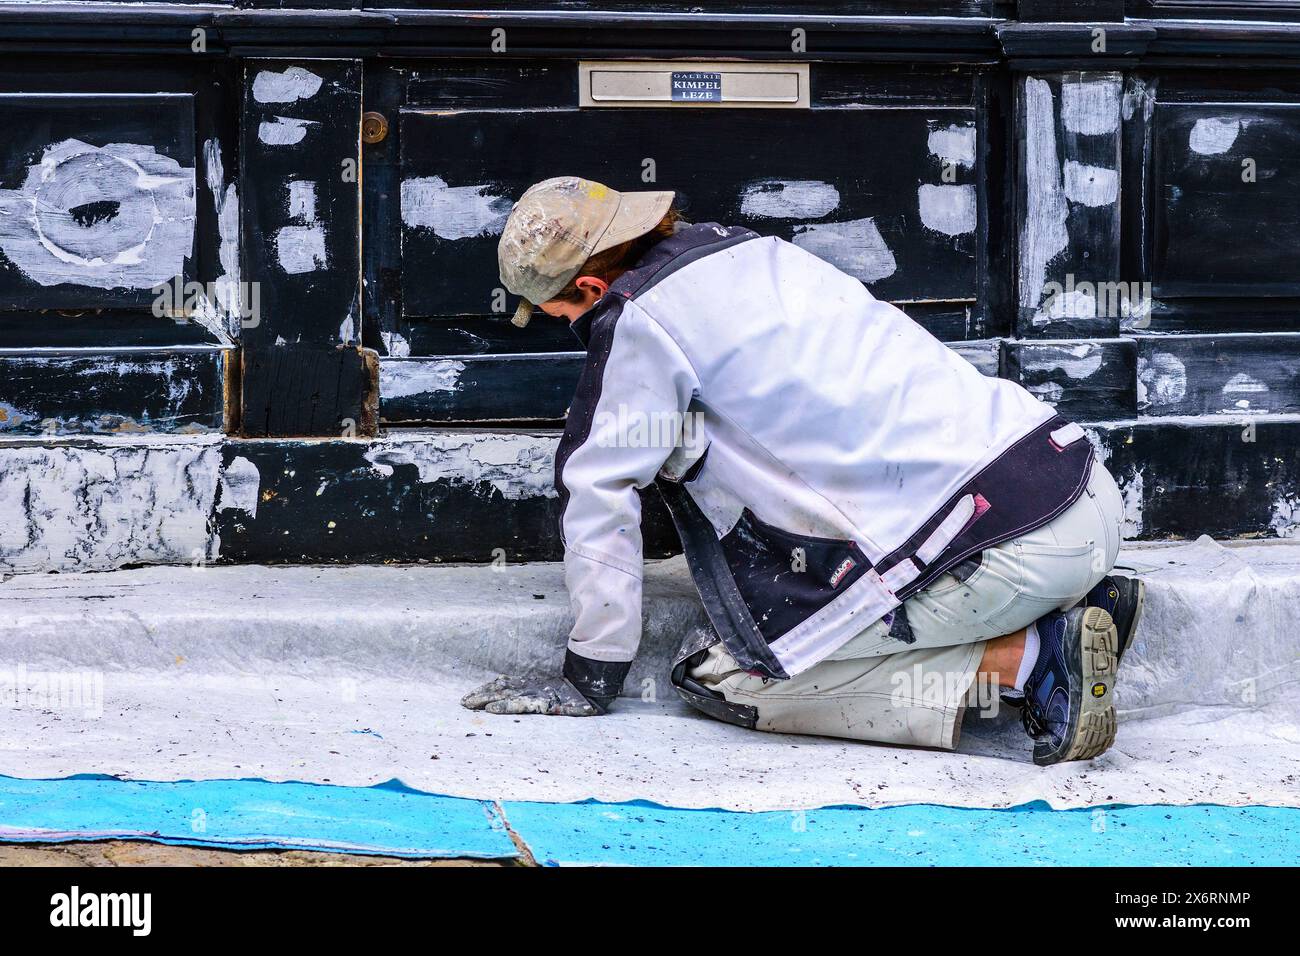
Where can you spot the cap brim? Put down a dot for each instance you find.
(522, 314)
(637, 214)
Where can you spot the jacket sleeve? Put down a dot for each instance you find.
(625, 420)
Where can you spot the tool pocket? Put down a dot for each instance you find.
(783, 577)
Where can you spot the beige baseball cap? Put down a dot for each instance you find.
(558, 224)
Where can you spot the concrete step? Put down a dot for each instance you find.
(353, 675)
(1217, 628)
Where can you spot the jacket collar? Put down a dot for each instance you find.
(687, 244)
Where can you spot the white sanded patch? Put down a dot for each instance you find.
(517, 466)
(241, 483)
(225, 202)
(292, 85)
(283, 130)
(453, 212)
(1211, 136)
(1162, 380)
(1043, 235)
(789, 199)
(301, 249)
(856, 246)
(947, 209)
(396, 345)
(1090, 185)
(119, 216)
(401, 379)
(953, 144)
(1090, 107)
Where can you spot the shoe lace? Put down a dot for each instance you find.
(1033, 726)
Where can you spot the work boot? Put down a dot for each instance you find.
(1122, 598)
(1069, 695)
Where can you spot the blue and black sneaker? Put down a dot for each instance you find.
(1122, 598)
(1069, 709)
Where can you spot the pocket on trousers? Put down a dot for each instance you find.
(1053, 572)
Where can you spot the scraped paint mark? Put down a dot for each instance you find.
(1090, 185)
(1285, 519)
(856, 246)
(283, 130)
(1162, 380)
(241, 483)
(947, 209)
(292, 85)
(402, 379)
(225, 202)
(300, 247)
(1066, 304)
(516, 466)
(1043, 235)
(1090, 107)
(396, 345)
(453, 212)
(789, 199)
(1211, 136)
(953, 144)
(108, 217)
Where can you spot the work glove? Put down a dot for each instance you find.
(553, 696)
(586, 689)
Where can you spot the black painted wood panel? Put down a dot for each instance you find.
(127, 391)
(1233, 375)
(1225, 206)
(355, 501)
(1085, 380)
(893, 222)
(97, 198)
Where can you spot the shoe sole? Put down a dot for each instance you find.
(1092, 708)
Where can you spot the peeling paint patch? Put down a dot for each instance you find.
(225, 201)
(400, 379)
(1091, 107)
(240, 485)
(517, 466)
(292, 85)
(1076, 361)
(1211, 136)
(1285, 520)
(1162, 380)
(395, 344)
(947, 209)
(108, 217)
(856, 246)
(953, 144)
(97, 504)
(453, 212)
(1066, 304)
(1043, 235)
(789, 199)
(1090, 185)
(301, 247)
(1131, 491)
(283, 130)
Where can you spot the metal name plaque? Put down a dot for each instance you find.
(697, 87)
(693, 85)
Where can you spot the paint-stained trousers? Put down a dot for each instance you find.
(877, 688)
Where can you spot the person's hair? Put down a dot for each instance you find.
(608, 264)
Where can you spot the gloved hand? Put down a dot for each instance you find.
(587, 688)
(553, 696)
